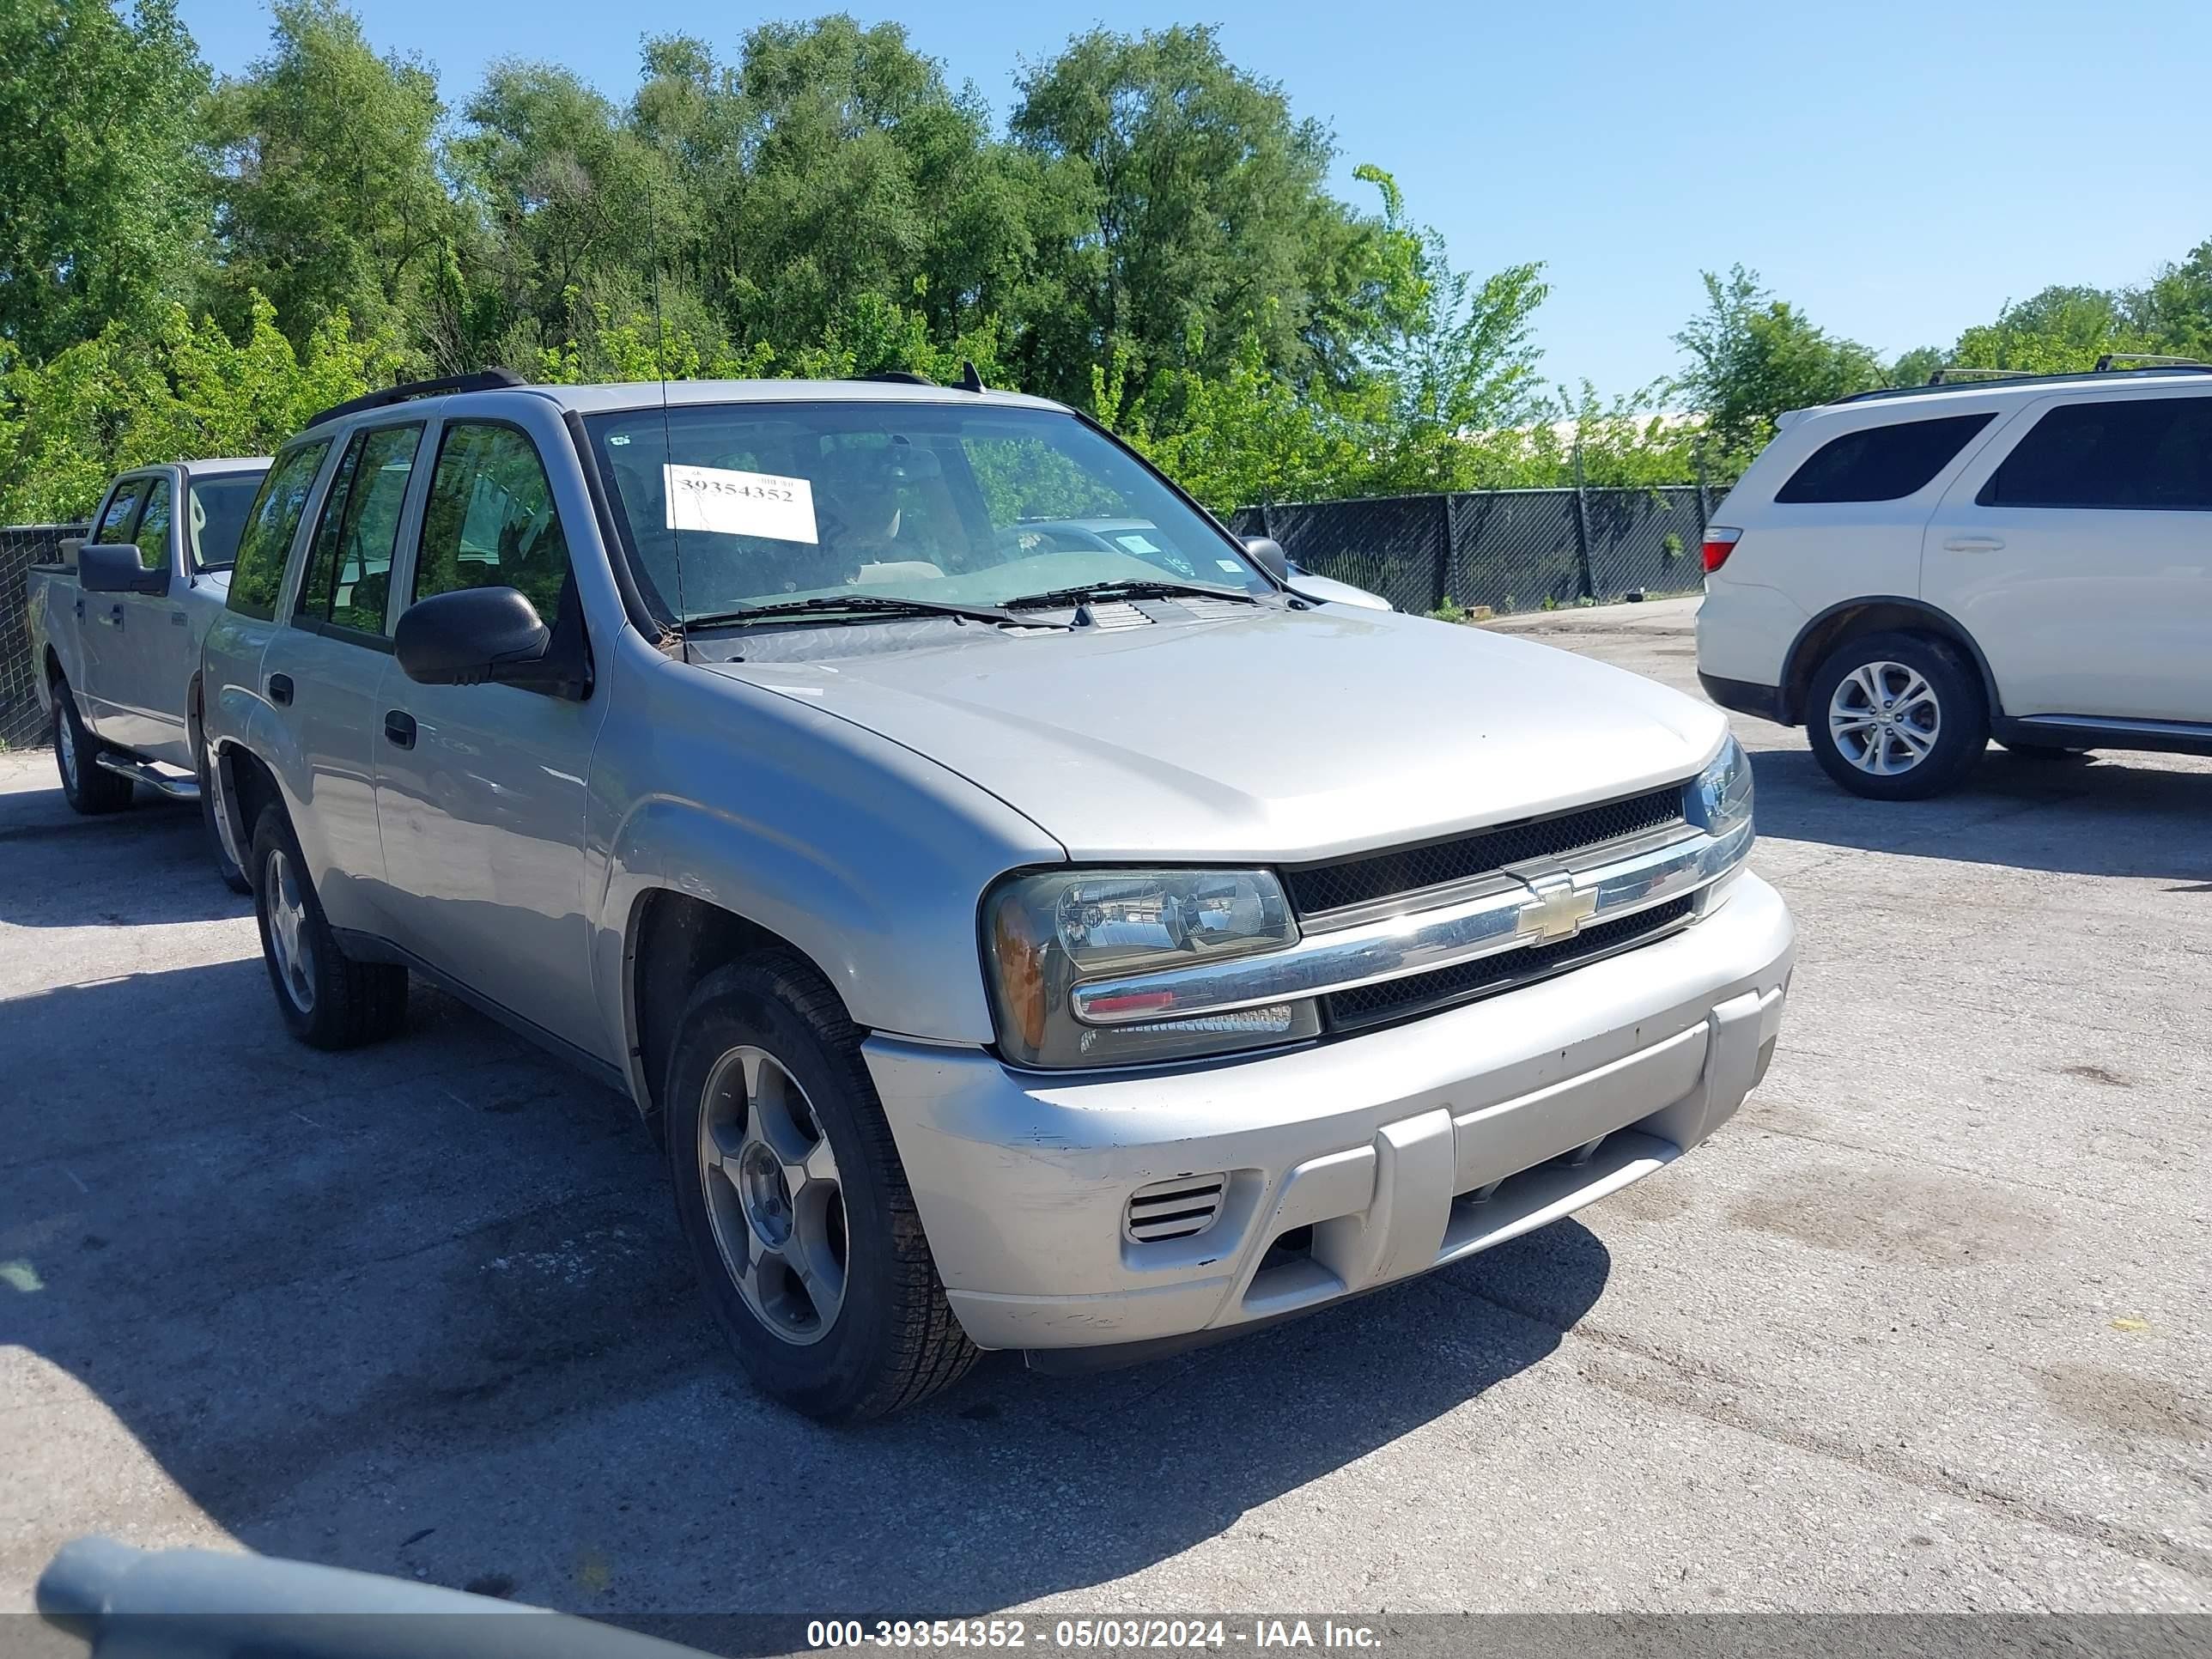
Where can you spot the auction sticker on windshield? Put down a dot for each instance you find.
(727, 502)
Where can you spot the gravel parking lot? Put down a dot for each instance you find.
(1925, 1327)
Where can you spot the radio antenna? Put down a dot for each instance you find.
(667, 437)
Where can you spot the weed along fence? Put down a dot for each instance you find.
(21, 547)
(1512, 549)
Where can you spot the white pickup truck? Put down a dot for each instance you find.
(116, 629)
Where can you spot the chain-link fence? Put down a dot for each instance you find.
(1511, 549)
(22, 546)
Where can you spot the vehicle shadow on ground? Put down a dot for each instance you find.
(149, 863)
(2095, 815)
(422, 1309)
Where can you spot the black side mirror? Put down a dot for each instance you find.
(471, 636)
(102, 570)
(1268, 553)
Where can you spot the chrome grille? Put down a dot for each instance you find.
(1319, 888)
(1176, 1209)
(1421, 994)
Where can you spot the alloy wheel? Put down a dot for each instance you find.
(289, 944)
(1883, 718)
(773, 1196)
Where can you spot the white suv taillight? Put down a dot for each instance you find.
(1719, 543)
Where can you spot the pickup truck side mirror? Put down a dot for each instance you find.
(1268, 553)
(102, 570)
(471, 636)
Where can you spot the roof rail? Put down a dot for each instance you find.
(483, 380)
(897, 377)
(1952, 373)
(2145, 360)
(2018, 377)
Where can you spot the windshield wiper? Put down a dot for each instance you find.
(1126, 590)
(864, 605)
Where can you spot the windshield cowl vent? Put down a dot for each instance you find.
(1112, 615)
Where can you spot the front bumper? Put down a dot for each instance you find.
(1401, 1150)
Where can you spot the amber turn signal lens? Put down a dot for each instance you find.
(1021, 974)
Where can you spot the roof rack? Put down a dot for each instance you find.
(483, 380)
(898, 377)
(2021, 377)
(2145, 360)
(1952, 374)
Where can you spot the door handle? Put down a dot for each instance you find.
(79, 609)
(178, 619)
(280, 689)
(399, 727)
(115, 616)
(1973, 544)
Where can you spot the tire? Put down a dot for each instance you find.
(767, 1072)
(326, 998)
(87, 786)
(1918, 738)
(215, 815)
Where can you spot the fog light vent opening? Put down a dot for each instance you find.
(1289, 1248)
(1183, 1208)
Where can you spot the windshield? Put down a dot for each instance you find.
(219, 507)
(735, 505)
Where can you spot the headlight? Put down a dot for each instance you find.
(1718, 799)
(1044, 933)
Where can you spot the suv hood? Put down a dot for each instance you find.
(1274, 736)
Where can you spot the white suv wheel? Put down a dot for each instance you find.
(1885, 718)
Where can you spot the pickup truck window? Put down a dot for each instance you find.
(491, 521)
(725, 506)
(114, 521)
(219, 507)
(270, 524)
(348, 574)
(151, 533)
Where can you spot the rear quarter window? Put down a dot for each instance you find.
(1881, 463)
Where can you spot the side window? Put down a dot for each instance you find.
(114, 523)
(491, 520)
(152, 533)
(2140, 454)
(1881, 463)
(270, 523)
(349, 571)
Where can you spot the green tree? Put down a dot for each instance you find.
(329, 197)
(1914, 366)
(103, 209)
(1753, 356)
(2061, 330)
(1198, 200)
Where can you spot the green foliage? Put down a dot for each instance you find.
(128, 397)
(1150, 234)
(1753, 356)
(103, 209)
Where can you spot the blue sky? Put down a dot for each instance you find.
(1899, 170)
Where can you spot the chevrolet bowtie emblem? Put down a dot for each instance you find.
(1557, 912)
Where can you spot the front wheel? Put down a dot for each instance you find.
(793, 1202)
(1896, 716)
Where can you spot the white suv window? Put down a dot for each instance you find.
(2143, 453)
(1881, 463)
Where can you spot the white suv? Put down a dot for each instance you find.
(1908, 573)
